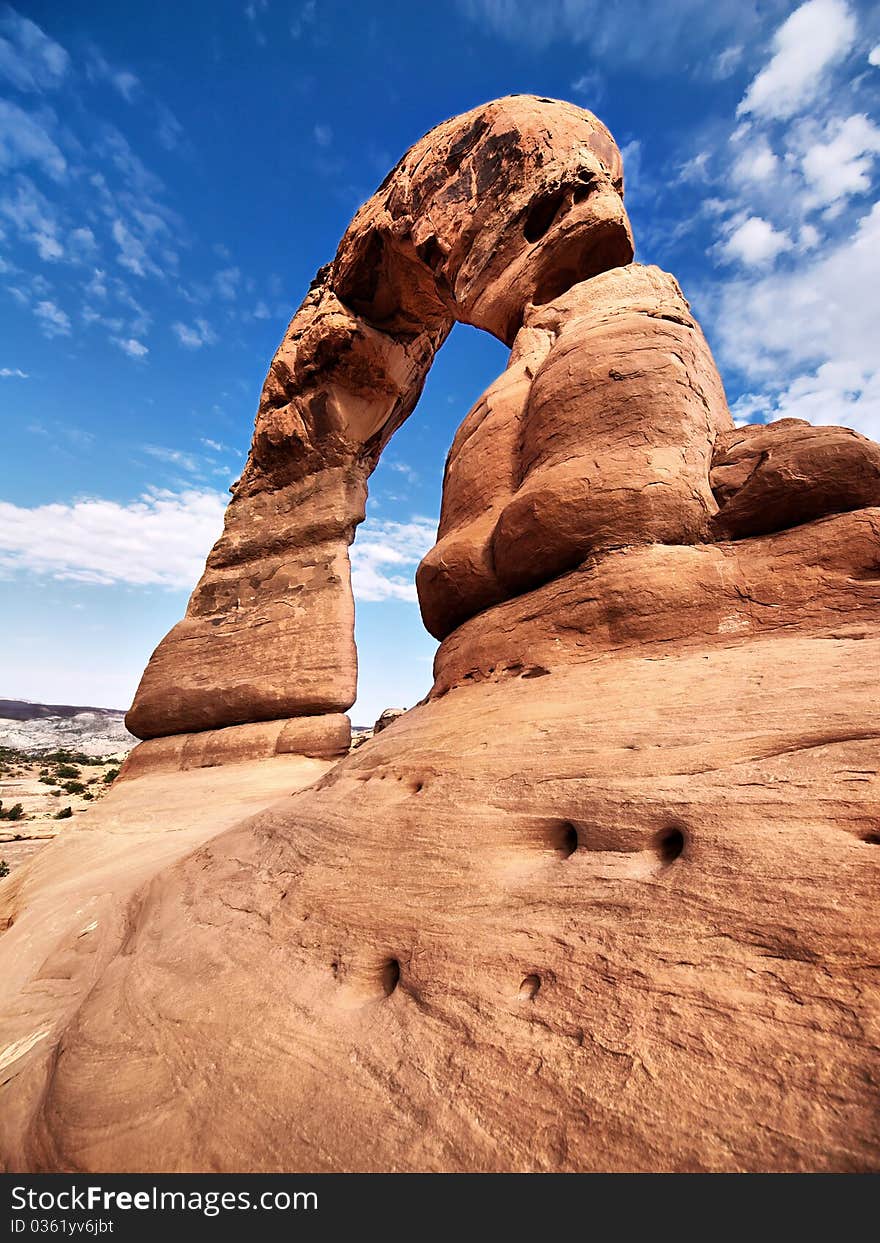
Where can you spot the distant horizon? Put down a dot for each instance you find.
(39, 703)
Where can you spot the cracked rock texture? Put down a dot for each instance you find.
(606, 899)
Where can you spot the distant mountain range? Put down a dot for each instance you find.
(24, 710)
(49, 727)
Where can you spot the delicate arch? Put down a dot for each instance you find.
(507, 205)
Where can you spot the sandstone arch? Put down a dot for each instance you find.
(507, 205)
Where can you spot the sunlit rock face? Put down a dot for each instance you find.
(606, 900)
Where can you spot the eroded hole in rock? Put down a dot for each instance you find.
(542, 213)
(670, 844)
(565, 839)
(872, 837)
(584, 190)
(389, 976)
(529, 988)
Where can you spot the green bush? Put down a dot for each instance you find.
(110, 776)
(15, 812)
(67, 770)
(4, 868)
(74, 787)
(48, 781)
(64, 814)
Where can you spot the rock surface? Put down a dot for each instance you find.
(607, 899)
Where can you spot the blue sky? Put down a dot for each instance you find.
(171, 177)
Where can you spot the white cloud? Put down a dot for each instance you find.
(874, 55)
(33, 217)
(131, 347)
(124, 81)
(194, 336)
(589, 86)
(12, 373)
(727, 62)
(813, 39)
(651, 35)
(29, 59)
(161, 539)
(174, 457)
(806, 340)
(838, 162)
(252, 10)
(226, 283)
(757, 162)
(82, 243)
(304, 19)
(53, 321)
(132, 251)
(323, 135)
(403, 468)
(169, 130)
(754, 242)
(384, 557)
(24, 139)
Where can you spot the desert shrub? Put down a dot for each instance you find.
(88, 796)
(56, 793)
(4, 868)
(66, 770)
(48, 781)
(73, 787)
(15, 812)
(110, 776)
(64, 814)
(65, 757)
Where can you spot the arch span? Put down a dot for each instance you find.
(508, 205)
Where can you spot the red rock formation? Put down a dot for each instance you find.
(606, 900)
(508, 204)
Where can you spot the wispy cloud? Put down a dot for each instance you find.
(12, 373)
(194, 336)
(655, 36)
(590, 87)
(53, 321)
(806, 46)
(754, 242)
(132, 347)
(25, 139)
(384, 557)
(784, 189)
(161, 539)
(175, 457)
(805, 338)
(29, 59)
(124, 81)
